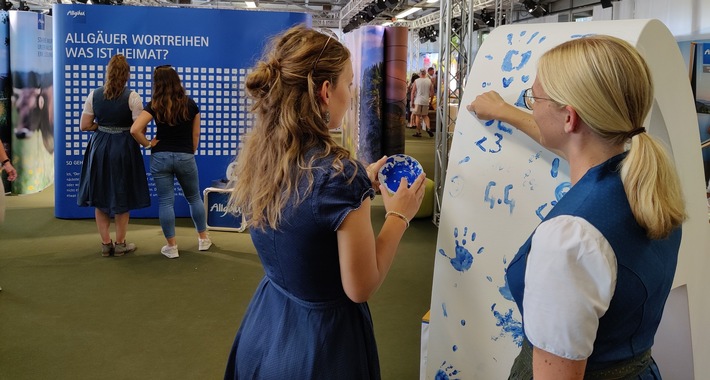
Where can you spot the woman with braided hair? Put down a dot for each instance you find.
(307, 204)
(593, 278)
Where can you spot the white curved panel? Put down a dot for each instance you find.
(500, 184)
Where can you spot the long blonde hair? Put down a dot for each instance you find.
(289, 123)
(608, 83)
(117, 73)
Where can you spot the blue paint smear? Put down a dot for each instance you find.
(521, 100)
(480, 142)
(504, 128)
(489, 278)
(505, 290)
(532, 37)
(509, 326)
(508, 66)
(555, 167)
(455, 347)
(464, 160)
(443, 308)
(497, 142)
(487, 194)
(489, 123)
(525, 78)
(562, 189)
(507, 200)
(485, 84)
(463, 259)
(480, 250)
(509, 37)
(538, 212)
(463, 322)
(507, 81)
(489, 57)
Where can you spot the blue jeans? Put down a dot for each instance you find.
(165, 167)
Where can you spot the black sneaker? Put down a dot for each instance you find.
(431, 134)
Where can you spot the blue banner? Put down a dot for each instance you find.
(706, 54)
(212, 51)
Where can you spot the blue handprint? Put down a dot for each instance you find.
(463, 259)
(446, 372)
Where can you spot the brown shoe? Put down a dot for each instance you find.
(107, 249)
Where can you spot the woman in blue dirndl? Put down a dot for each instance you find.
(113, 178)
(307, 203)
(593, 278)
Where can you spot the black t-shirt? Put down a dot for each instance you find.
(175, 138)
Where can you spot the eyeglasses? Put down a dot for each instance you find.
(321, 53)
(529, 99)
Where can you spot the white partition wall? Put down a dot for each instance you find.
(500, 184)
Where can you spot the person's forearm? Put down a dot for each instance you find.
(386, 245)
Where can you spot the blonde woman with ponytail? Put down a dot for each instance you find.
(593, 278)
(307, 204)
(113, 179)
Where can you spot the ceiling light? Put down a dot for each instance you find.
(408, 12)
(388, 23)
(250, 4)
(431, 1)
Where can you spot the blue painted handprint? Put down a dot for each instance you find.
(463, 259)
(446, 372)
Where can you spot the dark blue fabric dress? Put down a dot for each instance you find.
(113, 175)
(300, 324)
(645, 270)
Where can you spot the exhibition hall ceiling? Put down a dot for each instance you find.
(325, 13)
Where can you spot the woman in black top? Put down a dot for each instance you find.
(177, 121)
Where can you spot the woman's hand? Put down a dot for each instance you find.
(406, 200)
(11, 172)
(488, 106)
(373, 170)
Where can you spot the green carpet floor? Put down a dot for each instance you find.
(68, 313)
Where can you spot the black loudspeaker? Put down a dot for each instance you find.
(606, 3)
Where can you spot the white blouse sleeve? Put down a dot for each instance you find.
(569, 282)
(89, 104)
(136, 104)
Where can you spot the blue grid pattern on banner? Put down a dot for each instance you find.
(218, 92)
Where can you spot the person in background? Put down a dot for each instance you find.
(113, 178)
(593, 278)
(410, 105)
(422, 91)
(431, 73)
(5, 165)
(177, 122)
(307, 203)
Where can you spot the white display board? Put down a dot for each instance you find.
(500, 184)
